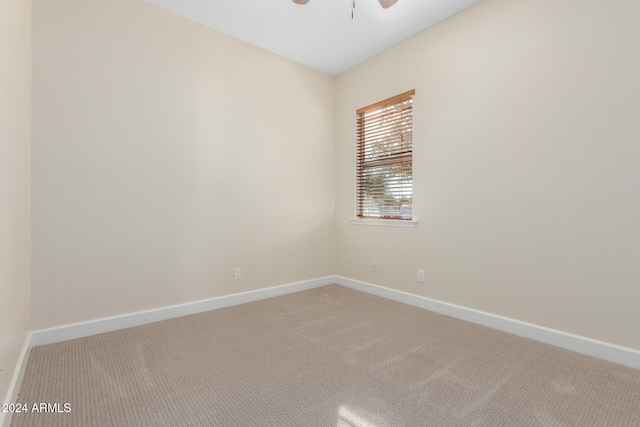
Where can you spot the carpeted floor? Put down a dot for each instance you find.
(330, 356)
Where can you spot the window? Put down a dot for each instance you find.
(385, 159)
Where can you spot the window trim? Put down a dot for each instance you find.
(385, 222)
(369, 220)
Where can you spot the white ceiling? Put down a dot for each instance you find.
(320, 34)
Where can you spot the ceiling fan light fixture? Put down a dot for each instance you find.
(387, 3)
(384, 3)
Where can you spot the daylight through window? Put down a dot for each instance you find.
(385, 159)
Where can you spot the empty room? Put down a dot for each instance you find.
(336, 213)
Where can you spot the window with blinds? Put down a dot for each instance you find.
(385, 159)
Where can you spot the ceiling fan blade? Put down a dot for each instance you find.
(304, 1)
(386, 3)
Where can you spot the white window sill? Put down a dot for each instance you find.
(385, 222)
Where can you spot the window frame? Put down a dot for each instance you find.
(394, 159)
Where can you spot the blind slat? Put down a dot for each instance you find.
(384, 133)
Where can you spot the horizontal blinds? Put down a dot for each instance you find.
(385, 158)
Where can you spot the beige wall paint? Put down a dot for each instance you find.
(15, 149)
(527, 165)
(151, 180)
(165, 155)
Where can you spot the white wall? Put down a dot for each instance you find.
(527, 165)
(15, 149)
(165, 155)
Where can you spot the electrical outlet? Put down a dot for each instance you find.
(421, 276)
(237, 273)
(374, 266)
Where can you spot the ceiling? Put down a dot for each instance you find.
(320, 34)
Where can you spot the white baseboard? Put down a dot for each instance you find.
(583, 345)
(108, 324)
(590, 347)
(18, 373)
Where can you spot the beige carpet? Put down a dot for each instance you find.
(330, 356)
